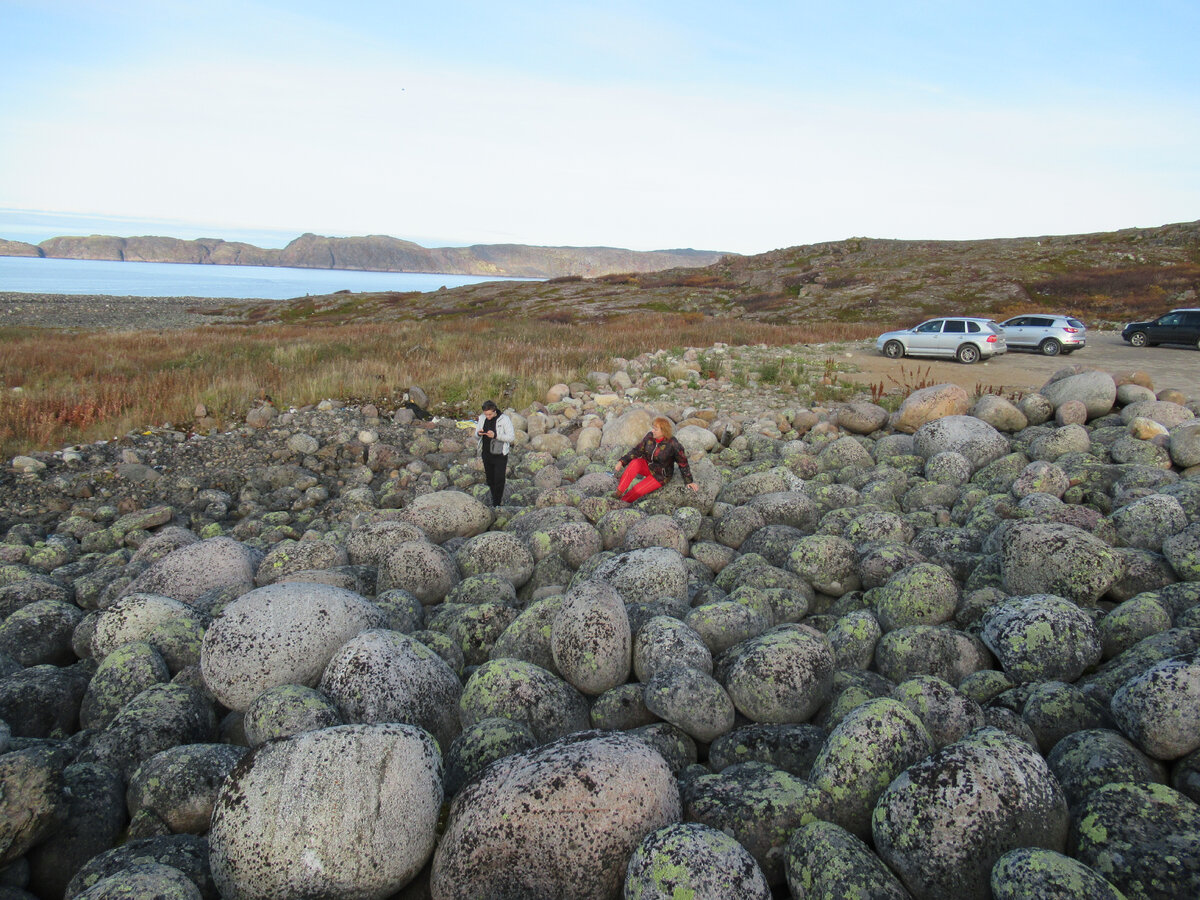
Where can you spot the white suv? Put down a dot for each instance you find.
(1050, 335)
(965, 339)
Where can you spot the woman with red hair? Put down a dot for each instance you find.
(654, 460)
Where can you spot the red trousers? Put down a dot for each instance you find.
(642, 488)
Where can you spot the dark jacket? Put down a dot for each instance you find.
(661, 458)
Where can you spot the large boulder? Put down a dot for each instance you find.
(693, 860)
(823, 861)
(945, 821)
(192, 571)
(973, 438)
(1041, 638)
(590, 639)
(1160, 709)
(349, 812)
(649, 574)
(930, 403)
(783, 675)
(496, 552)
(623, 432)
(423, 569)
(442, 515)
(178, 786)
(558, 822)
(524, 692)
(381, 676)
(1096, 390)
(1052, 558)
(280, 634)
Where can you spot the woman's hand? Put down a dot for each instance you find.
(618, 467)
(694, 486)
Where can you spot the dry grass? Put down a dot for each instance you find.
(62, 388)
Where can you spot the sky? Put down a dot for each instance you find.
(647, 125)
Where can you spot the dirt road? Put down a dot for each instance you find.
(1022, 371)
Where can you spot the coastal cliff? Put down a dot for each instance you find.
(374, 253)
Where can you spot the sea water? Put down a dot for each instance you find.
(36, 275)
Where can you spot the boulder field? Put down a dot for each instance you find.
(944, 650)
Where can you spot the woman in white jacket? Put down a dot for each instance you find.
(496, 434)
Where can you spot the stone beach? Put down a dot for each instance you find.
(943, 648)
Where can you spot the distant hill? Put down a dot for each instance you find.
(1105, 277)
(374, 253)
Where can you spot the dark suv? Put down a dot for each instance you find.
(1179, 326)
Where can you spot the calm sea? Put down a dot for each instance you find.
(143, 279)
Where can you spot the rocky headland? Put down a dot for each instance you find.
(950, 649)
(372, 253)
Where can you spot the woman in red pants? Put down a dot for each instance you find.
(654, 459)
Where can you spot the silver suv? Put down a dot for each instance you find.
(1050, 335)
(964, 339)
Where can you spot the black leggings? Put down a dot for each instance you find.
(495, 468)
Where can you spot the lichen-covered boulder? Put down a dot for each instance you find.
(874, 743)
(32, 803)
(827, 562)
(1053, 558)
(496, 551)
(474, 628)
(349, 811)
(723, 624)
(560, 821)
(663, 642)
(691, 700)
(172, 627)
(1137, 618)
(999, 412)
(1054, 709)
(1182, 551)
(442, 515)
(627, 429)
(288, 557)
(693, 860)
(791, 747)
(527, 637)
(180, 784)
(124, 673)
(591, 639)
(285, 710)
(1047, 875)
(187, 853)
(659, 530)
(481, 745)
(921, 594)
(518, 690)
(943, 823)
(646, 575)
(823, 861)
(1142, 838)
(1148, 521)
(945, 653)
(783, 675)
(973, 438)
(381, 676)
(757, 804)
(44, 700)
(144, 880)
(40, 633)
(1090, 759)
(1160, 709)
(947, 714)
(1041, 638)
(369, 543)
(1185, 444)
(853, 638)
(795, 509)
(280, 634)
(160, 717)
(861, 417)
(190, 572)
(423, 569)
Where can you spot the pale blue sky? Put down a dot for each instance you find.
(643, 125)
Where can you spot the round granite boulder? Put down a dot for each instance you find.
(125, 672)
(143, 881)
(692, 701)
(1096, 390)
(422, 568)
(481, 745)
(191, 571)
(560, 821)
(783, 675)
(693, 860)
(823, 861)
(973, 438)
(1041, 638)
(1090, 759)
(442, 515)
(288, 709)
(280, 634)
(1142, 838)
(381, 676)
(180, 784)
(873, 744)
(921, 594)
(1057, 559)
(591, 639)
(1160, 709)
(496, 551)
(945, 821)
(1148, 521)
(1047, 875)
(664, 641)
(518, 690)
(349, 811)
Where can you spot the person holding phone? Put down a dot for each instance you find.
(496, 434)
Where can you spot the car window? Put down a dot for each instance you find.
(973, 327)
(930, 327)
(955, 326)
(1075, 323)
(1191, 319)
(1170, 319)
(1041, 323)
(1017, 322)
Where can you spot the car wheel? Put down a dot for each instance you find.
(968, 353)
(893, 350)
(1050, 347)
(1138, 339)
